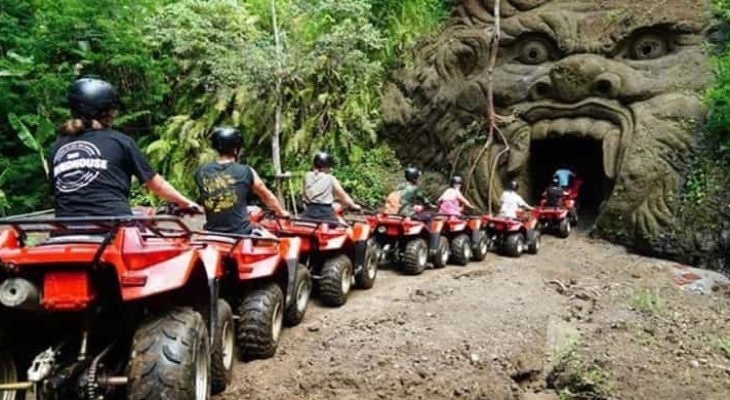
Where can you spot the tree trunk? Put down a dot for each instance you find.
(275, 146)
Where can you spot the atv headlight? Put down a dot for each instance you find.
(491, 224)
(382, 229)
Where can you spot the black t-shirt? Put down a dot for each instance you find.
(91, 174)
(224, 190)
(554, 196)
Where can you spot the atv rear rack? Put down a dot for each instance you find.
(97, 225)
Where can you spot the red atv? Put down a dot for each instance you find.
(410, 242)
(335, 253)
(513, 237)
(561, 218)
(107, 307)
(467, 238)
(263, 278)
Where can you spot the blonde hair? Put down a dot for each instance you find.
(74, 127)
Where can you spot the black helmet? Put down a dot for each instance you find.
(412, 174)
(322, 160)
(513, 185)
(226, 140)
(457, 180)
(92, 98)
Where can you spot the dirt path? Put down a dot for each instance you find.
(584, 319)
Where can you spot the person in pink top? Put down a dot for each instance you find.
(452, 202)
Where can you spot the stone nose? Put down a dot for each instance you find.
(578, 77)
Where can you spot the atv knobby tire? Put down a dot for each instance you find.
(365, 279)
(170, 357)
(261, 314)
(480, 248)
(416, 257)
(573, 215)
(514, 245)
(442, 253)
(8, 369)
(532, 237)
(461, 250)
(224, 344)
(336, 282)
(300, 300)
(564, 228)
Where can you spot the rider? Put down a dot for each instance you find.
(92, 165)
(452, 201)
(554, 194)
(564, 175)
(320, 189)
(411, 194)
(224, 186)
(512, 202)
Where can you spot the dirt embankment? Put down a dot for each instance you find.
(583, 320)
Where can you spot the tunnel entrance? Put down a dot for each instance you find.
(584, 156)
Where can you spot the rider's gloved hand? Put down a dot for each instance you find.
(195, 208)
(356, 207)
(284, 214)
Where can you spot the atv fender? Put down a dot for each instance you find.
(437, 227)
(361, 248)
(166, 276)
(289, 249)
(476, 236)
(214, 289)
(212, 261)
(8, 239)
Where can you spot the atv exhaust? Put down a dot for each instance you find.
(20, 293)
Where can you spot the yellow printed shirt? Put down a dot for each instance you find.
(224, 190)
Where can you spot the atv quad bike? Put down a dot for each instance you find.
(513, 237)
(106, 307)
(410, 242)
(262, 277)
(334, 252)
(467, 238)
(554, 219)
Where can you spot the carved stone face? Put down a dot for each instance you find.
(623, 78)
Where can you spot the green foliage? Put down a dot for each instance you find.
(648, 301)
(183, 67)
(574, 380)
(370, 175)
(724, 345)
(718, 97)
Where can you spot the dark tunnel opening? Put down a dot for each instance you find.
(584, 156)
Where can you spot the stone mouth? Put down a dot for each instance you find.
(601, 120)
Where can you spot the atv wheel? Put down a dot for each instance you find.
(336, 280)
(8, 370)
(481, 248)
(564, 228)
(170, 357)
(442, 253)
(366, 278)
(461, 250)
(302, 292)
(573, 215)
(224, 344)
(514, 245)
(533, 241)
(416, 257)
(261, 313)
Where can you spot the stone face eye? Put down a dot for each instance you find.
(534, 51)
(649, 46)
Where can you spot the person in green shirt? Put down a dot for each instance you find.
(411, 194)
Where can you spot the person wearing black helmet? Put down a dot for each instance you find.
(512, 202)
(452, 202)
(320, 189)
(92, 165)
(554, 194)
(411, 194)
(224, 186)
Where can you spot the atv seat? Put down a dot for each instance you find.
(71, 239)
